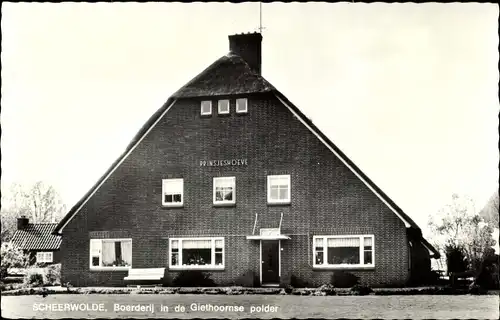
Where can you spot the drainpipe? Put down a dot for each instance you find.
(255, 223)
(281, 219)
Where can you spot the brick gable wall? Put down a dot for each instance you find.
(327, 198)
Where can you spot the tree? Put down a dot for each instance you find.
(38, 202)
(11, 257)
(490, 211)
(458, 226)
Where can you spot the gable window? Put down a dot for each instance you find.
(44, 257)
(344, 251)
(278, 189)
(241, 105)
(196, 253)
(224, 190)
(206, 108)
(173, 192)
(223, 106)
(113, 254)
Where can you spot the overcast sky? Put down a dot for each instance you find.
(407, 91)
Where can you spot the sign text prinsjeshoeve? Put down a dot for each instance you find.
(222, 163)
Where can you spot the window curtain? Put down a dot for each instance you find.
(127, 252)
(367, 242)
(197, 244)
(218, 244)
(343, 242)
(108, 253)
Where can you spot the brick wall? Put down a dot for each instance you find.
(327, 198)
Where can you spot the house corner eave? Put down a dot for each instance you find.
(140, 135)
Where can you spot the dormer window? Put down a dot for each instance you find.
(241, 105)
(223, 106)
(206, 108)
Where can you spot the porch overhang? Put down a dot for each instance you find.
(269, 234)
(273, 237)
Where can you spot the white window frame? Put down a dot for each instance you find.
(206, 102)
(163, 193)
(224, 202)
(245, 102)
(220, 105)
(361, 265)
(44, 257)
(196, 267)
(111, 268)
(279, 201)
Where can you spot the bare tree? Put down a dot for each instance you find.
(39, 202)
(458, 226)
(490, 211)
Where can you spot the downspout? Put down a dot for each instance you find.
(281, 219)
(255, 223)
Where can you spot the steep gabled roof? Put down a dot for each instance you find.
(37, 236)
(229, 75)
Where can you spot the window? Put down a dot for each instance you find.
(44, 257)
(344, 251)
(206, 108)
(278, 189)
(224, 190)
(173, 192)
(242, 105)
(110, 253)
(223, 106)
(197, 253)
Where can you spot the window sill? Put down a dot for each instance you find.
(181, 268)
(283, 203)
(344, 267)
(206, 115)
(225, 204)
(167, 206)
(110, 268)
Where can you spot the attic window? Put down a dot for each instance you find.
(241, 105)
(206, 108)
(223, 106)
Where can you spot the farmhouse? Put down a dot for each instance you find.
(38, 241)
(229, 177)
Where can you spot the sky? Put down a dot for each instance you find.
(409, 92)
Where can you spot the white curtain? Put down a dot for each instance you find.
(175, 244)
(318, 242)
(127, 252)
(218, 244)
(343, 242)
(367, 241)
(108, 253)
(197, 244)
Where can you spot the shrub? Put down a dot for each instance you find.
(193, 278)
(297, 282)
(327, 289)
(33, 279)
(247, 279)
(488, 275)
(361, 290)
(455, 259)
(53, 275)
(343, 279)
(11, 257)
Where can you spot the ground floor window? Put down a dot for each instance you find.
(110, 253)
(44, 257)
(196, 253)
(344, 251)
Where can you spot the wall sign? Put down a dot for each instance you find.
(223, 163)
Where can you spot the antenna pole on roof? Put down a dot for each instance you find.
(260, 18)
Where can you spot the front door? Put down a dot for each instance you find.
(270, 263)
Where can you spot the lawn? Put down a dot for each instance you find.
(278, 306)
